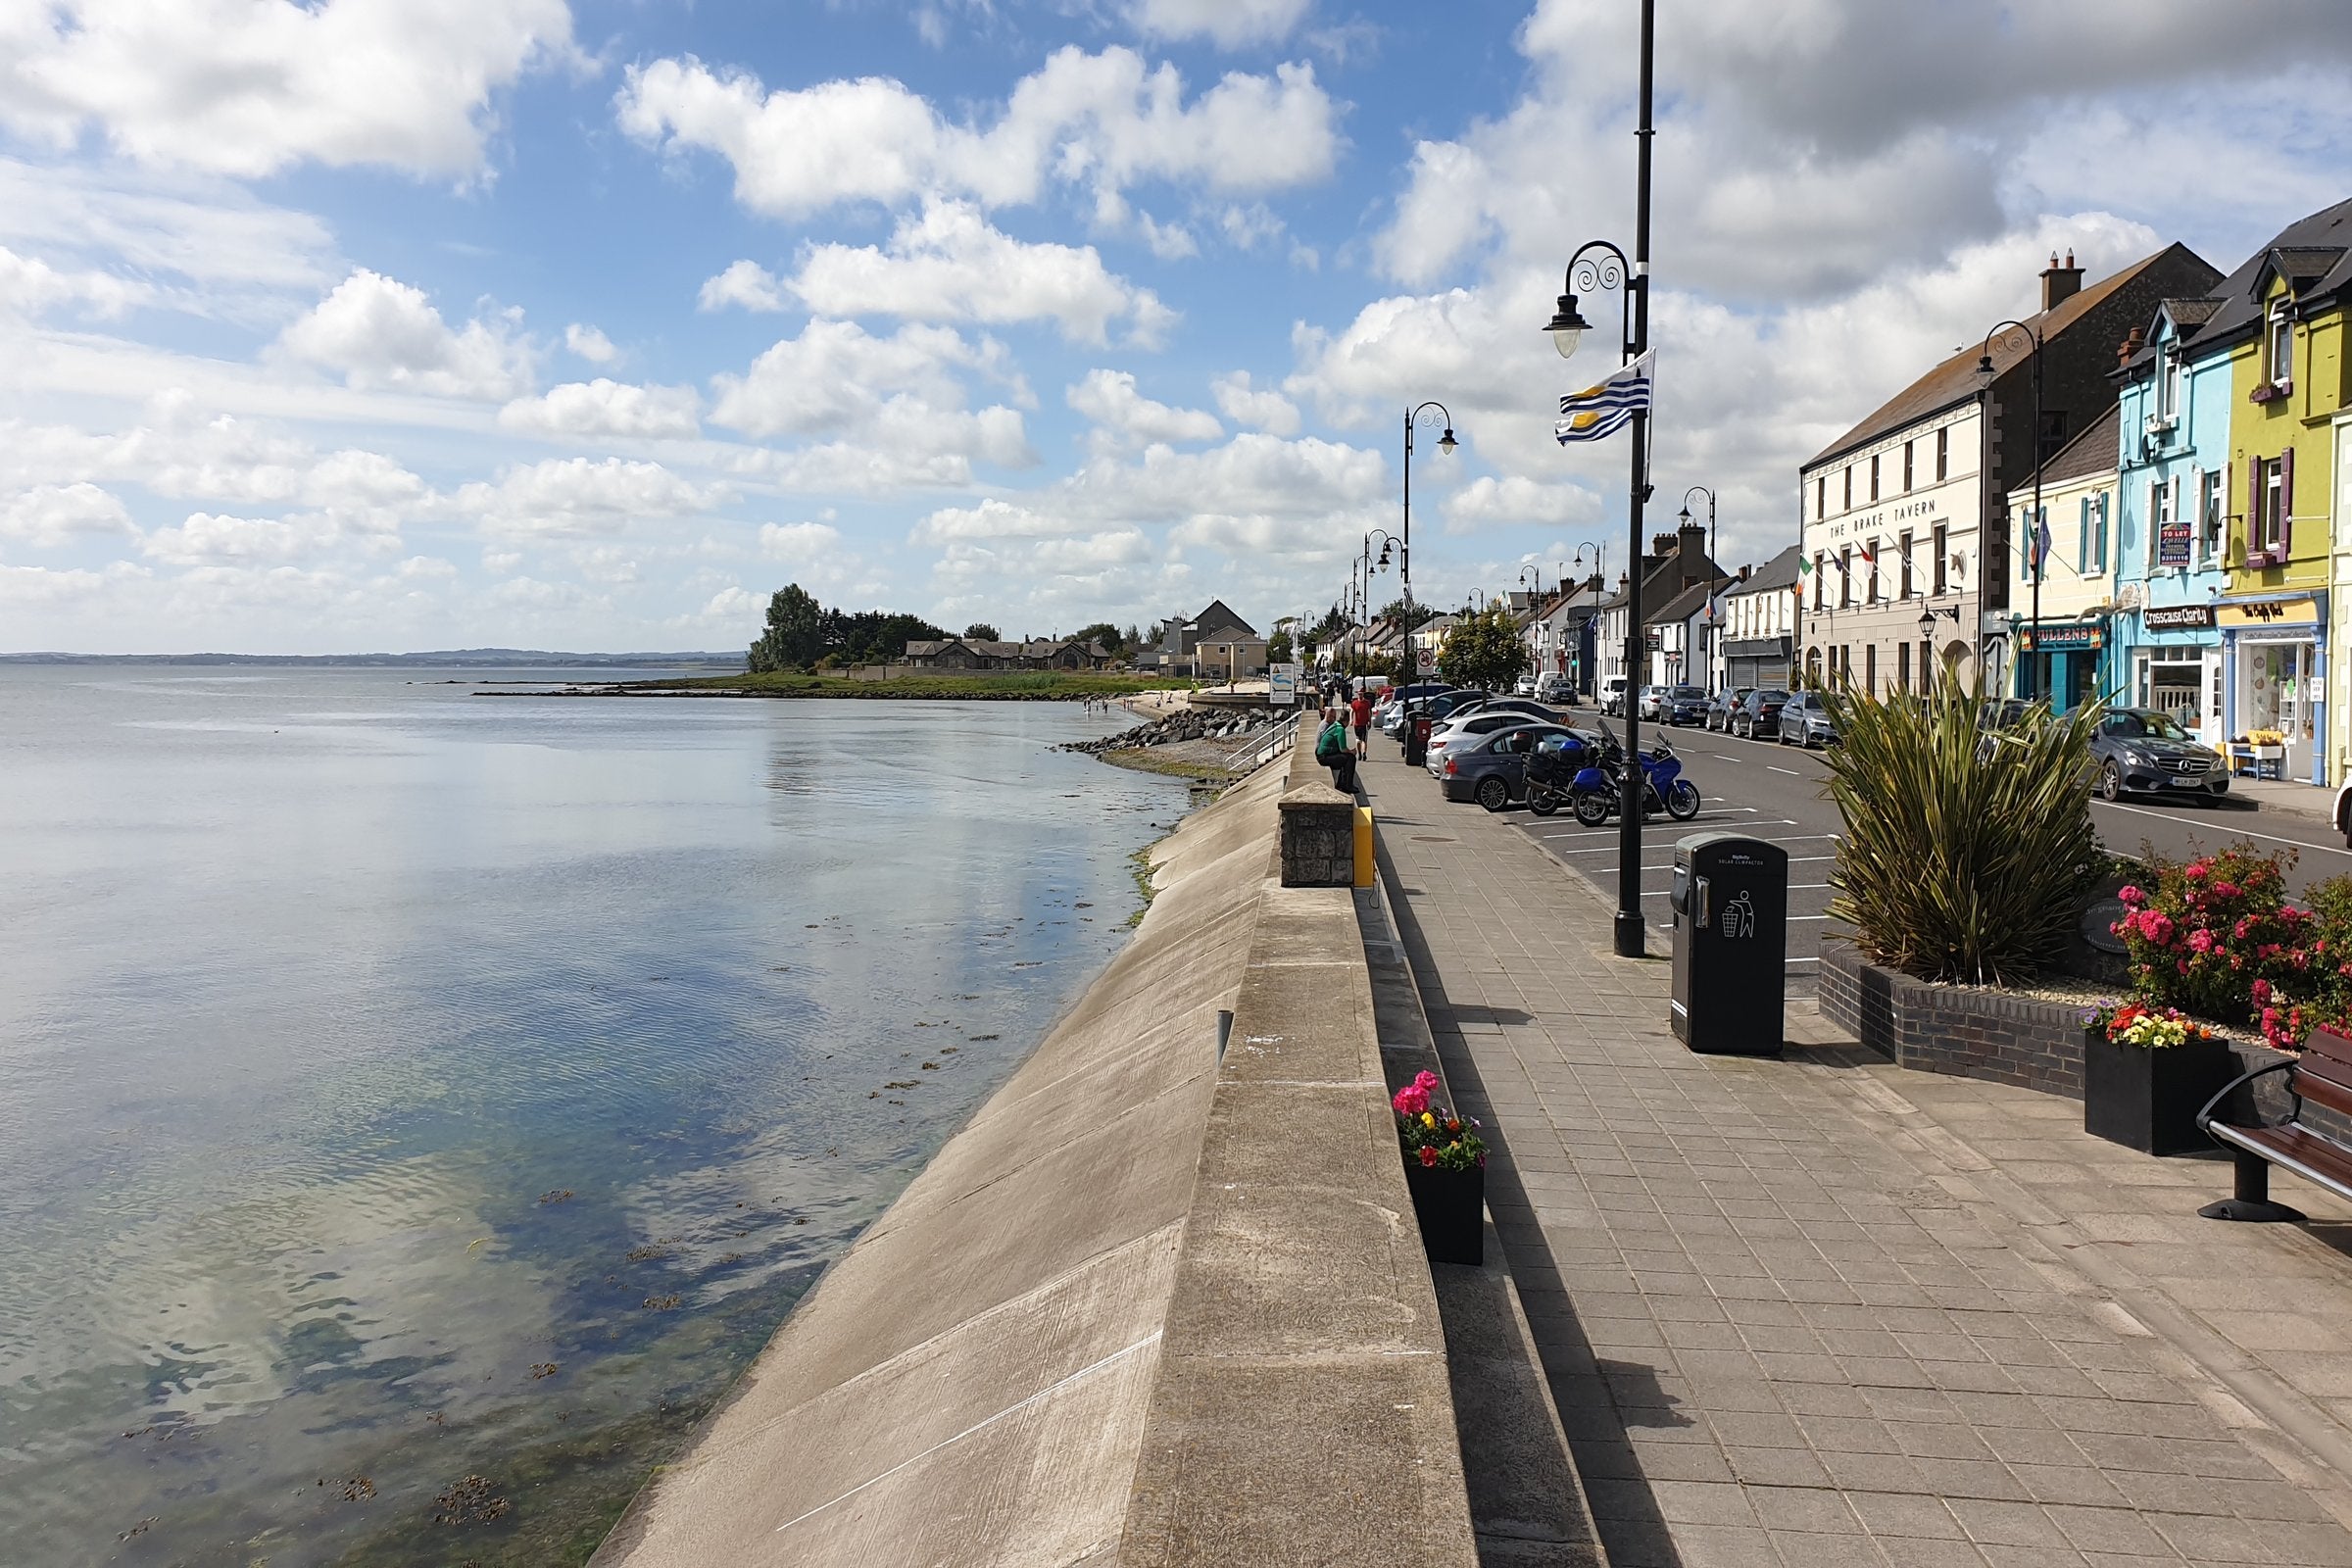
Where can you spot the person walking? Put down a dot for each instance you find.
(1360, 711)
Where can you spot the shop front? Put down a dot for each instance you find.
(2274, 675)
(1757, 661)
(2060, 659)
(2175, 666)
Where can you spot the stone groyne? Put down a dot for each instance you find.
(1161, 1302)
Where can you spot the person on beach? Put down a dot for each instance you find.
(1360, 710)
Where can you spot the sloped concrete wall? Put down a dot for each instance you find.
(968, 1383)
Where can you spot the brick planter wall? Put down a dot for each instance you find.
(1979, 1034)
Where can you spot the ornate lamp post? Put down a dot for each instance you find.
(1387, 541)
(1713, 632)
(2008, 333)
(1599, 264)
(1425, 414)
(1535, 574)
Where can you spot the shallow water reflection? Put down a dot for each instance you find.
(399, 1086)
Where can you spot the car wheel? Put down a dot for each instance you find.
(2111, 781)
(1494, 793)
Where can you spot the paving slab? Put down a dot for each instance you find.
(1817, 1309)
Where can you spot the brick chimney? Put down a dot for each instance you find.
(2060, 283)
(2128, 347)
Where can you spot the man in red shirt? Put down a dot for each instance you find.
(1361, 712)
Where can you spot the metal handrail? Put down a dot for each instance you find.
(1276, 742)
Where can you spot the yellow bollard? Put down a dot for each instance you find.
(1363, 845)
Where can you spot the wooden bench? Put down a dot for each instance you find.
(2321, 1076)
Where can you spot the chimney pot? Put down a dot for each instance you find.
(2060, 283)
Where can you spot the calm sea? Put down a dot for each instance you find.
(417, 1106)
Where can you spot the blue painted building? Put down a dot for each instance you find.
(2173, 436)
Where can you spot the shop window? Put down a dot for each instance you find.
(1943, 454)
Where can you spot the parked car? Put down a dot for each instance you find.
(1507, 705)
(1389, 713)
(1524, 686)
(1557, 689)
(1682, 704)
(1492, 769)
(1805, 722)
(1612, 697)
(1647, 702)
(2139, 749)
(1445, 703)
(1722, 705)
(1759, 714)
(1463, 729)
(1996, 719)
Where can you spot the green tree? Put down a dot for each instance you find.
(1278, 648)
(1394, 611)
(795, 637)
(1101, 631)
(980, 631)
(1483, 649)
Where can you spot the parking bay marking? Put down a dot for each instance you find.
(2141, 811)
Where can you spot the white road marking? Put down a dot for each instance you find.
(1795, 919)
(1790, 772)
(2235, 832)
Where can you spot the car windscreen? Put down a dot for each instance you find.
(1770, 695)
(1689, 694)
(2148, 723)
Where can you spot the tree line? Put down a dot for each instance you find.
(801, 634)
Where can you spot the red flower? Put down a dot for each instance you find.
(1429, 1156)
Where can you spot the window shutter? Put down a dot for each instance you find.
(2287, 502)
(2154, 558)
(2083, 537)
(2253, 505)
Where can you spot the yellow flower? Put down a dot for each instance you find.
(1428, 1121)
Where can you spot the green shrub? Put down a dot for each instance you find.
(1966, 853)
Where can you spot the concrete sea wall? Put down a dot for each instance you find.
(1144, 1309)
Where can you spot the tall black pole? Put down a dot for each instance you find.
(1404, 562)
(2039, 564)
(1630, 935)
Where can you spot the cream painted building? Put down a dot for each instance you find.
(2063, 636)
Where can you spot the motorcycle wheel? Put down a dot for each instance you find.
(1542, 801)
(1681, 800)
(1591, 809)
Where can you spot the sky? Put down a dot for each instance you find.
(390, 324)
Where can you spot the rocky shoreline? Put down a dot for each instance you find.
(1183, 725)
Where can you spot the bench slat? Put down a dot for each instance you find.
(2322, 1161)
(2336, 1097)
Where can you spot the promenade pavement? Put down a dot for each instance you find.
(1819, 1310)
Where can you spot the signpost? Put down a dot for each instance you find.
(1282, 685)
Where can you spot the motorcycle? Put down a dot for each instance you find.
(1596, 789)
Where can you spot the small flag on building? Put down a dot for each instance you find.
(2042, 541)
(1606, 408)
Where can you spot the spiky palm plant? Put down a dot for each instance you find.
(1967, 850)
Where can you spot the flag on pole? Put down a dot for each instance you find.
(2042, 541)
(1606, 409)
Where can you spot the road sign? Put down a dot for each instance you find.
(1282, 685)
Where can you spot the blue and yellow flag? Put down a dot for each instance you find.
(1604, 410)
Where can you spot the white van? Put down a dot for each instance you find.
(1612, 696)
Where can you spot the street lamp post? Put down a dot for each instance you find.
(1534, 664)
(1713, 632)
(2008, 332)
(1387, 541)
(1599, 264)
(1430, 413)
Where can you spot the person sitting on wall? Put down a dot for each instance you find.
(1335, 751)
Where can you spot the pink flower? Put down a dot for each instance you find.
(1411, 1101)
(2195, 870)
(2226, 890)
(2130, 893)
(2261, 991)
(2200, 941)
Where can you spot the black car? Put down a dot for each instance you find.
(1491, 769)
(1722, 705)
(1682, 704)
(1759, 714)
(2141, 750)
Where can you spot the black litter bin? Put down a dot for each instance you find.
(1731, 943)
(1416, 739)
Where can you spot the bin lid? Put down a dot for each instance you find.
(1688, 846)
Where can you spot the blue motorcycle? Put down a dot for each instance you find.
(1595, 789)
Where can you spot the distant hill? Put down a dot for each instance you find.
(443, 659)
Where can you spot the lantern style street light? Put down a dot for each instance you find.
(2008, 334)
(1425, 414)
(1599, 264)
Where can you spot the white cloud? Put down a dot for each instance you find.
(248, 89)
(211, 538)
(29, 286)
(590, 343)
(1109, 399)
(1101, 120)
(744, 283)
(1488, 502)
(377, 332)
(735, 603)
(949, 263)
(49, 515)
(1229, 24)
(1260, 408)
(799, 543)
(602, 408)
(582, 498)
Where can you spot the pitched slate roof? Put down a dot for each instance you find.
(1955, 379)
(2094, 451)
(2240, 305)
(1781, 571)
(1682, 606)
(1219, 616)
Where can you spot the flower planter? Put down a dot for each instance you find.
(1451, 1207)
(2147, 1098)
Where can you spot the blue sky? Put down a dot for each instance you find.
(406, 323)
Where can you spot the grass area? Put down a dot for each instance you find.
(1146, 760)
(1140, 865)
(1012, 686)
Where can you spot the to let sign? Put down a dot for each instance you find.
(2171, 545)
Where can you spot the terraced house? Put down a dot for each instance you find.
(2063, 570)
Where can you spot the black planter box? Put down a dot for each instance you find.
(2148, 1098)
(1451, 1208)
